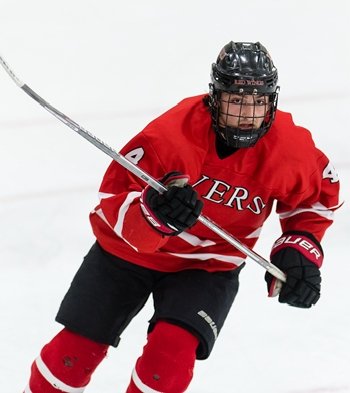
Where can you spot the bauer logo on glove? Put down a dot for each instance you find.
(300, 256)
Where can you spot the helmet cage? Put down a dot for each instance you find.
(244, 134)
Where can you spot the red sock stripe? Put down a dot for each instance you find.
(167, 362)
(66, 364)
(40, 384)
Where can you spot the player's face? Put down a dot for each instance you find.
(243, 111)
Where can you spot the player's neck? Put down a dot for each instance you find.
(222, 149)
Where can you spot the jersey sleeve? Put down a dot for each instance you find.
(312, 210)
(167, 144)
(119, 195)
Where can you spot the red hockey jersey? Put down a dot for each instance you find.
(238, 191)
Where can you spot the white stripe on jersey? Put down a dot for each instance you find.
(105, 195)
(204, 256)
(316, 208)
(121, 215)
(99, 213)
(254, 234)
(140, 385)
(55, 382)
(195, 241)
(122, 211)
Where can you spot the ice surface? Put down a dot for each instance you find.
(112, 66)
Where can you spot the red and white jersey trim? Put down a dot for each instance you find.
(99, 213)
(255, 234)
(195, 241)
(105, 195)
(121, 214)
(55, 382)
(205, 256)
(316, 208)
(123, 210)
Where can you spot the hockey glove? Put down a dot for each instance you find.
(176, 209)
(300, 256)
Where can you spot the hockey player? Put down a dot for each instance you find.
(230, 154)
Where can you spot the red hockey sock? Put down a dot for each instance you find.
(167, 362)
(65, 364)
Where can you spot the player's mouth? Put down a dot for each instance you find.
(246, 126)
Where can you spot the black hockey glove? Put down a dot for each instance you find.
(176, 209)
(299, 255)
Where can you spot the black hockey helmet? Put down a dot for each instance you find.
(243, 69)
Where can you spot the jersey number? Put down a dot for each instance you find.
(135, 155)
(330, 173)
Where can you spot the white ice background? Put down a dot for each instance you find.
(112, 66)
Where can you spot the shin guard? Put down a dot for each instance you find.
(167, 362)
(65, 364)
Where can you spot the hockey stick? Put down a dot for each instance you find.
(140, 173)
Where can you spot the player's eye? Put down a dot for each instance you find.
(235, 100)
(260, 101)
